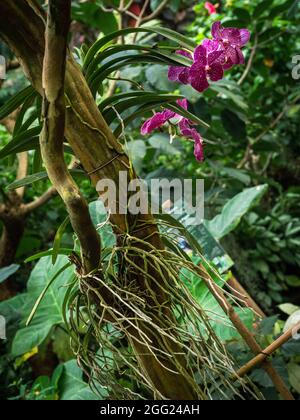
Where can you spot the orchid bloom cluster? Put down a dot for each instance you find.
(160, 118)
(210, 60)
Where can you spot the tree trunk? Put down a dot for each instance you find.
(12, 233)
(23, 27)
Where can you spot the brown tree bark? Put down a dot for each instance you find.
(13, 229)
(23, 27)
(13, 215)
(12, 233)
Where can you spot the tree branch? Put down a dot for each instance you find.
(156, 12)
(251, 342)
(40, 201)
(52, 136)
(250, 62)
(287, 336)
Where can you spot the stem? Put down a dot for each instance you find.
(268, 351)
(40, 201)
(250, 62)
(241, 293)
(52, 136)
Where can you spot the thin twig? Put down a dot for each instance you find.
(40, 201)
(250, 62)
(276, 345)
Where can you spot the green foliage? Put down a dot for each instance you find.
(234, 210)
(49, 313)
(273, 243)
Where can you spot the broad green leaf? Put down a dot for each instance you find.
(294, 376)
(261, 377)
(234, 210)
(218, 320)
(288, 308)
(238, 174)
(230, 94)
(293, 281)
(13, 312)
(93, 16)
(71, 385)
(157, 76)
(43, 293)
(6, 272)
(49, 312)
(293, 320)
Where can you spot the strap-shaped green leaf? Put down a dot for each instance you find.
(62, 251)
(19, 121)
(117, 49)
(181, 111)
(22, 142)
(124, 105)
(121, 62)
(58, 239)
(143, 111)
(36, 177)
(106, 41)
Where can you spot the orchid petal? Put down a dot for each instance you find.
(216, 72)
(216, 30)
(183, 103)
(192, 133)
(198, 77)
(158, 120)
(200, 55)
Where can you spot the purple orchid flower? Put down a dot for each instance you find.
(160, 118)
(231, 41)
(212, 57)
(208, 65)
